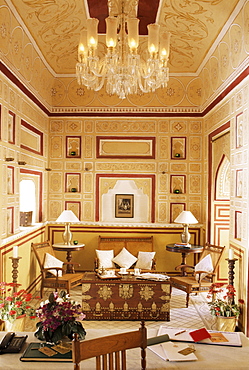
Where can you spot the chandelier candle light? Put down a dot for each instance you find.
(186, 218)
(67, 217)
(122, 69)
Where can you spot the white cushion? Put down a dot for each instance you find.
(144, 260)
(124, 259)
(206, 265)
(105, 258)
(51, 261)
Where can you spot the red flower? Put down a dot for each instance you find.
(12, 312)
(241, 301)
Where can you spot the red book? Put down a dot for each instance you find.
(199, 334)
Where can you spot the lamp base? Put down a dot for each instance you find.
(67, 235)
(185, 235)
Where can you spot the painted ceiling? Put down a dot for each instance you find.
(55, 26)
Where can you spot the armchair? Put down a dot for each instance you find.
(50, 276)
(192, 284)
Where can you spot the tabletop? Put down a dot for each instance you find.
(192, 249)
(209, 356)
(65, 247)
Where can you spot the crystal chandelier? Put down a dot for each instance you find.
(122, 70)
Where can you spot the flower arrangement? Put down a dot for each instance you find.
(223, 304)
(59, 317)
(14, 305)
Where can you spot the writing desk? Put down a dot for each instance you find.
(185, 252)
(209, 356)
(69, 249)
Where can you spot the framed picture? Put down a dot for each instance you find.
(124, 205)
(74, 206)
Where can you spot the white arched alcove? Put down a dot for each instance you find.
(125, 187)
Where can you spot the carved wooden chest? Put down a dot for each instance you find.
(126, 298)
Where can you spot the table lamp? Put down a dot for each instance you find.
(186, 218)
(67, 217)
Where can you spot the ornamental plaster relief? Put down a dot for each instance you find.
(194, 184)
(162, 212)
(88, 126)
(163, 126)
(173, 94)
(88, 214)
(235, 44)
(56, 126)
(73, 126)
(55, 208)
(88, 186)
(131, 126)
(195, 127)
(178, 167)
(56, 145)
(164, 147)
(195, 148)
(125, 167)
(76, 166)
(195, 167)
(55, 182)
(179, 127)
(88, 146)
(163, 183)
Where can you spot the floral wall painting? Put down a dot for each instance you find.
(178, 184)
(124, 205)
(239, 130)
(239, 176)
(178, 148)
(73, 146)
(238, 225)
(175, 210)
(11, 127)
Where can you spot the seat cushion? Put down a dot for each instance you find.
(52, 261)
(124, 259)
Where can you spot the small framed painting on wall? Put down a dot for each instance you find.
(124, 205)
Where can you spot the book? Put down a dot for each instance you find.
(45, 352)
(182, 245)
(199, 334)
(216, 337)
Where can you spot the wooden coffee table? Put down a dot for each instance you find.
(125, 298)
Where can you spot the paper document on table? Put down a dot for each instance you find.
(182, 335)
(151, 276)
(169, 351)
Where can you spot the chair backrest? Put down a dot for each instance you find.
(215, 252)
(41, 249)
(110, 351)
(132, 244)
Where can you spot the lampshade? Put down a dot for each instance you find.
(67, 216)
(186, 217)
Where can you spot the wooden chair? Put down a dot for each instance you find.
(66, 281)
(110, 351)
(189, 284)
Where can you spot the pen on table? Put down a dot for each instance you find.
(180, 332)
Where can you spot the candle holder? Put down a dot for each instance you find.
(231, 265)
(15, 263)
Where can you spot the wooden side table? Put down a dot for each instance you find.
(69, 249)
(185, 252)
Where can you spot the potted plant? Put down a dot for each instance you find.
(223, 306)
(59, 317)
(14, 305)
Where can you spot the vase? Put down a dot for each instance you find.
(226, 323)
(16, 325)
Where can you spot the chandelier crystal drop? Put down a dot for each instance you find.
(122, 70)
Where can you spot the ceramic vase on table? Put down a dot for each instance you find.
(16, 325)
(226, 323)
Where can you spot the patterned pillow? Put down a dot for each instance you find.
(51, 261)
(144, 260)
(105, 258)
(124, 259)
